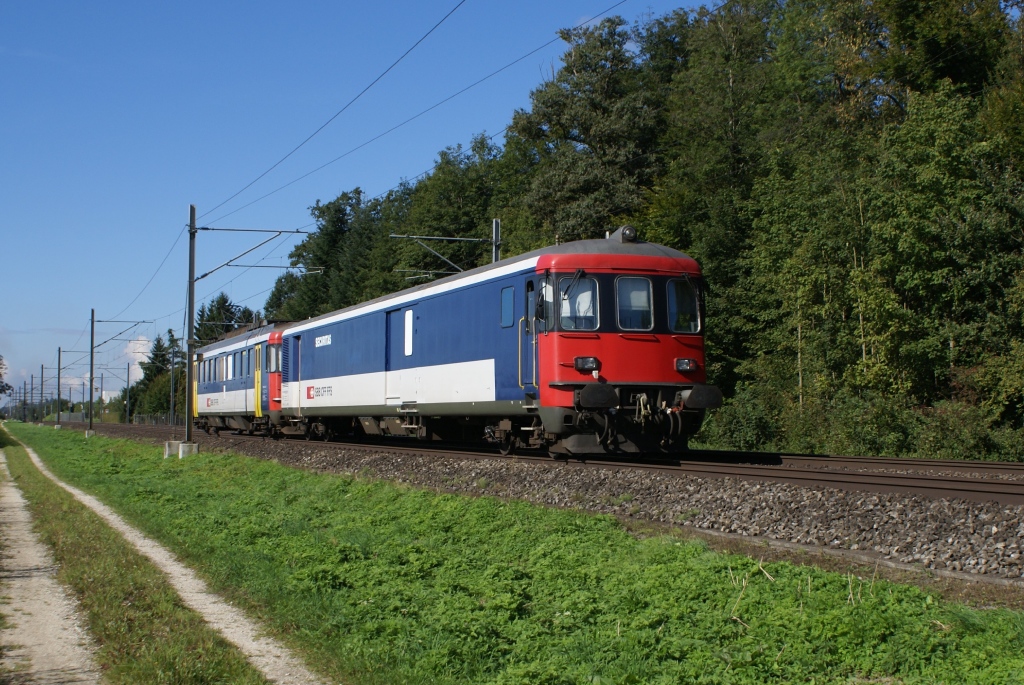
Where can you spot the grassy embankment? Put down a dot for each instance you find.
(143, 632)
(378, 583)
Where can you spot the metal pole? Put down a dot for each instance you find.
(102, 403)
(42, 410)
(127, 393)
(24, 408)
(190, 334)
(171, 420)
(58, 386)
(92, 357)
(31, 389)
(495, 240)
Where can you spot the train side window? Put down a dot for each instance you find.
(408, 332)
(634, 296)
(683, 306)
(508, 315)
(579, 307)
(531, 307)
(243, 369)
(546, 313)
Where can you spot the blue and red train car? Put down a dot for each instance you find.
(594, 346)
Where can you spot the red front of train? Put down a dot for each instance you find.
(620, 350)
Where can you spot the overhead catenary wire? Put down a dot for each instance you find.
(173, 246)
(340, 111)
(420, 114)
(150, 281)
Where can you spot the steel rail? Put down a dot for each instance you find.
(801, 470)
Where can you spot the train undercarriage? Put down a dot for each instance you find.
(604, 419)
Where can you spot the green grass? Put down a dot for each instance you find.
(378, 583)
(144, 633)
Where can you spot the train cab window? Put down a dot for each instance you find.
(274, 359)
(683, 306)
(546, 309)
(508, 316)
(531, 307)
(635, 297)
(578, 303)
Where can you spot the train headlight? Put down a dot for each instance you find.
(586, 363)
(684, 365)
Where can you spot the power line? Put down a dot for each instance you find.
(338, 113)
(162, 262)
(417, 116)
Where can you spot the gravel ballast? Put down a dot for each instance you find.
(942, 534)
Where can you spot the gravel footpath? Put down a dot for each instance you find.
(942, 534)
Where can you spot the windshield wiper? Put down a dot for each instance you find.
(572, 284)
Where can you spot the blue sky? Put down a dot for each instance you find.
(115, 116)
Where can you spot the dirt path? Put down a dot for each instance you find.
(269, 656)
(46, 640)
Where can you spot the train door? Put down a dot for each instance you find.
(393, 352)
(299, 391)
(528, 342)
(195, 387)
(257, 381)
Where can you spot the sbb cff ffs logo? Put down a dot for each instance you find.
(313, 392)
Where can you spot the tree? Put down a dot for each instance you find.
(593, 129)
(5, 388)
(220, 316)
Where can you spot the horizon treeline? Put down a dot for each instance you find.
(847, 173)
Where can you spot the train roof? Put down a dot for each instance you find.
(241, 337)
(615, 244)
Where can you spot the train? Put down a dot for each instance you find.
(580, 348)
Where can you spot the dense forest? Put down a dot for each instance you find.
(848, 173)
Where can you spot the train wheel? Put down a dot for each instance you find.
(508, 445)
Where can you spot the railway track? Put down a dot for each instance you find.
(1001, 482)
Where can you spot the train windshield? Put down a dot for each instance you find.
(578, 302)
(683, 306)
(635, 311)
